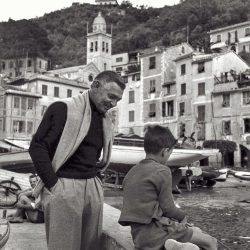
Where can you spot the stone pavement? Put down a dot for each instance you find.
(26, 236)
(29, 236)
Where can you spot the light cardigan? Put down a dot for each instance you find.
(75, 130)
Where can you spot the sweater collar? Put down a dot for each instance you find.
(93, 107)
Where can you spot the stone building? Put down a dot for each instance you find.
(22, 67)
(19, 113)
(23, 104)
(233, 37)
(158, 73)
(107, 2)
(206, 87)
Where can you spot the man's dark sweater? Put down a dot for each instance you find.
(82, 164)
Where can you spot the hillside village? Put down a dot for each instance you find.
(178, 86)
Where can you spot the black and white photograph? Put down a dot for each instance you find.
(125, 125)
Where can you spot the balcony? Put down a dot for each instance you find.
(222, 84)
(243, 80)
(152, 114)
(152, 95)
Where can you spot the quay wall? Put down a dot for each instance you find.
(115, 236)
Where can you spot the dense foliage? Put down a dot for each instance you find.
(22, 38)
(132, 27)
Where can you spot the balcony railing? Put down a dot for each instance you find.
(152, 95)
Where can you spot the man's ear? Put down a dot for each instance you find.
(96, 84)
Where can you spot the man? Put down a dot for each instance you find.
(65, 151)
(27, 206)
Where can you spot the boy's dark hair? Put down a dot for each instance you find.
(110, 76)
(158, 137)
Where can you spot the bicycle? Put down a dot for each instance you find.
(9, 190)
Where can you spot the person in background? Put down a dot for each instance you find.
(65, 151)
(188, 143)
(27, 206)
(148, 204)
(189, 175)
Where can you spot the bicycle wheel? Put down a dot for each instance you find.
(8, 193)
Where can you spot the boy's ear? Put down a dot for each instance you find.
(163, 151)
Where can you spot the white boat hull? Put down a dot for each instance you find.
(179, 157)
(223, 174)
(242, 175)
(122, 155)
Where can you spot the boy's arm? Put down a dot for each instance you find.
(166, 200)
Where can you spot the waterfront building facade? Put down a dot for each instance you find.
(208, 111)
(19, 113)
(126, 63)
(158, 76)
(24, 104)
(129, 109)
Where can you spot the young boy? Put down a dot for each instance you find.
(148, 205)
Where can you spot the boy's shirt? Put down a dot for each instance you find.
(147, 194)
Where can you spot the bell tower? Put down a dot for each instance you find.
(99, 44)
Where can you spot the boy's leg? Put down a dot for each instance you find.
(171, 244)
(203, 240)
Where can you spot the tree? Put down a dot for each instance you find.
(126, 4)
(19, 37)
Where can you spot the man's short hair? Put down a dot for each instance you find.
(33, 176)
(158, 137)
(110, 76)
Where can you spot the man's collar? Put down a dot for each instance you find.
(94, 108)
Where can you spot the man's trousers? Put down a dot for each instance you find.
(73, 213)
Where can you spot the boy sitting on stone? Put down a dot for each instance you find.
(148, 205)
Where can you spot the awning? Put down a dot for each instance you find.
(244, 39)
(218, 45)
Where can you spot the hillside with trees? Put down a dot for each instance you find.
(61, 35)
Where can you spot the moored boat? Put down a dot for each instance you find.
(223, 173)
(126, 155)
(242, 175)
(180, 157)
